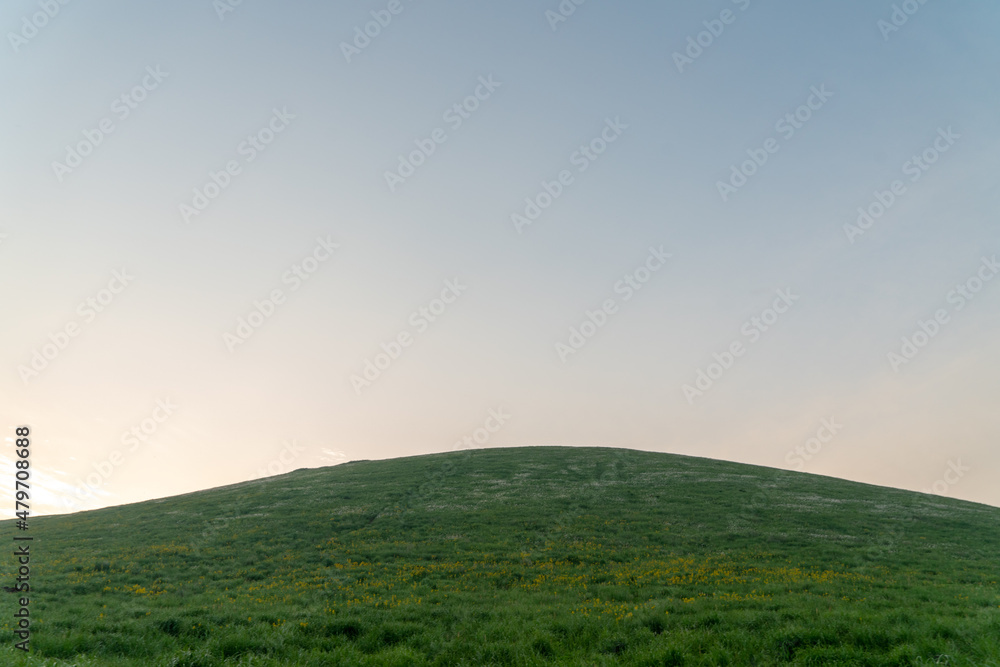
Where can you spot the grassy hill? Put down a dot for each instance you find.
(522, 556)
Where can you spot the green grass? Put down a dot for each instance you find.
(526, 556)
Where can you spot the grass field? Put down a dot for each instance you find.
(525, 556)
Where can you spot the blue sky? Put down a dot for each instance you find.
(201, 86)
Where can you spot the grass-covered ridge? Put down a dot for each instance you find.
(522, 556)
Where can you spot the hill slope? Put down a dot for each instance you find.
(523, 556)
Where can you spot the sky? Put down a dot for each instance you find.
(241, 238)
